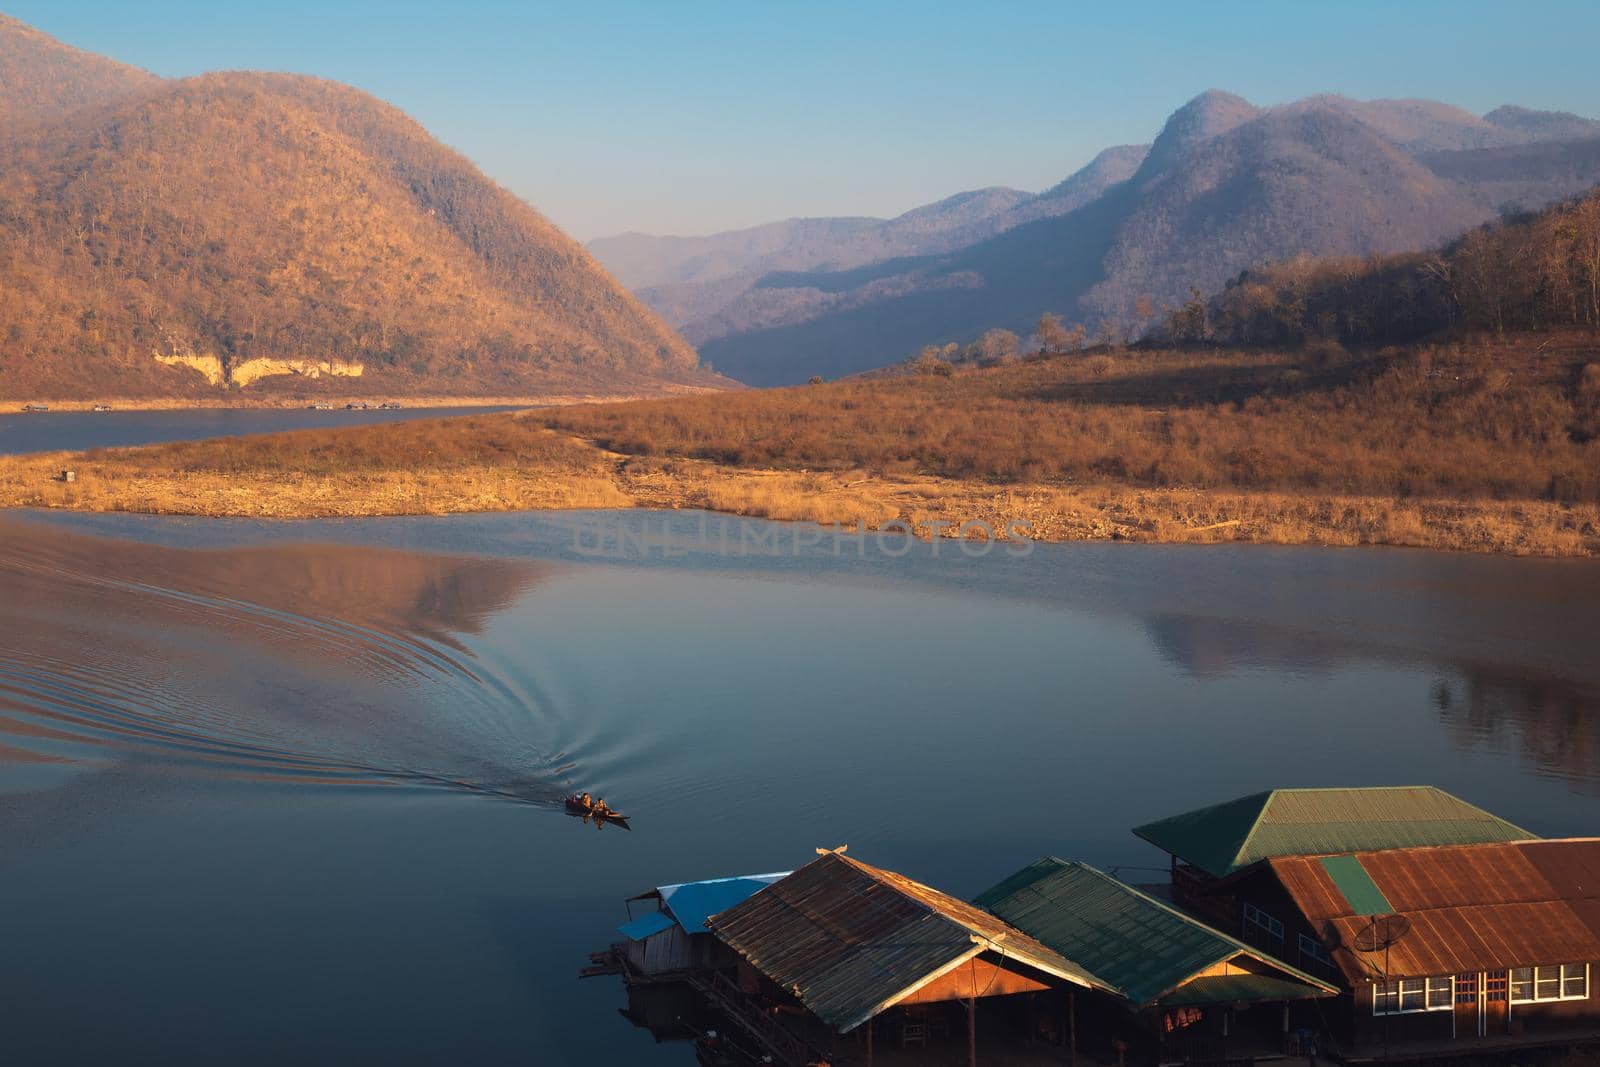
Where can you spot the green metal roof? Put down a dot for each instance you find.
(1356, 885)
(1131, 942)
(1229, 837)
(850, 940)
(1234, 989)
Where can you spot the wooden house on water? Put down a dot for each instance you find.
(669, 939)
(846, 962)
(1448, 950)
(1216, 843)
(1191, 993)
(1448, 930)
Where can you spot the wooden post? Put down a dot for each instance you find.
(1072, 1025)
(972, 1032)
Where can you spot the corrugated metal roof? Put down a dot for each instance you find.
(1136, 945)
(849, 940)
(1229, 837)
(1471, 907)
(1234, 989)
(1360, 892)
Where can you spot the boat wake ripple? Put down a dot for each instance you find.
(299, 665)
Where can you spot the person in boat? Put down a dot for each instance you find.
(586, 802)
(600, 809)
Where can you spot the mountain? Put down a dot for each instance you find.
(1224, 186)
(697, 283)
(41, 78)
(245, 231)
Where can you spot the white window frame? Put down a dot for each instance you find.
(1254, 916)
(1563, 971)
(1311, 948)
(1415, 986)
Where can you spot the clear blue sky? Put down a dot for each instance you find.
(685, 117)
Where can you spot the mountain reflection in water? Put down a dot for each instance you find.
(311, 663)
(1552, 723)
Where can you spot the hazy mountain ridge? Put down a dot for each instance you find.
(1225, 185)
(710, 286)
(259, 230)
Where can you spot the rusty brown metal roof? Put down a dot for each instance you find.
(849, 940)
(1471, 907)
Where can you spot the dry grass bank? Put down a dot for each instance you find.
(1488, 448)
(496, 463)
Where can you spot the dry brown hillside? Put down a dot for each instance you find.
(41, 78)
(256, 232)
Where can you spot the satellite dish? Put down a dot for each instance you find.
(1381, 932)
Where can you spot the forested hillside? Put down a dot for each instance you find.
(1226, 186)
(1530, 272)
(258, 231)
(42, 79)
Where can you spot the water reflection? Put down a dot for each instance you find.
(312, 664)
(1552, 723)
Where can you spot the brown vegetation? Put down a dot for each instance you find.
(41, 78)
(1470, 448)
(1509, 420)
(1524, 273)
(243, 221)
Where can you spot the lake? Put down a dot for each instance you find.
(62, 431)
(290, 793)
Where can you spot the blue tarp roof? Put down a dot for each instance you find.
(691, 903)
(645, 925)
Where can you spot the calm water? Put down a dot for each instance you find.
(58, 431)
(290, 793)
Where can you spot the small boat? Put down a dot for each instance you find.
(101, 407)
(389, 405)
(36, 407)
(576, 806)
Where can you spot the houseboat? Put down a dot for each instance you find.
(1357, 925)
(1449, 931)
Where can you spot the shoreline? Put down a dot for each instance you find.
(580, 475)
(285, 403)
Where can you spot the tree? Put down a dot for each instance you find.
(1052, 336)
(1189, 322)
(997, 346)
(1109, 334)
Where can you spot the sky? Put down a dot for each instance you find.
(689, 118)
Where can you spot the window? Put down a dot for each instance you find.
(1413, 994)
(1311, 951)
(1574, 981)
(1566, 981)
(1259, 924)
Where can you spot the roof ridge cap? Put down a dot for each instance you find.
(1255, 824)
